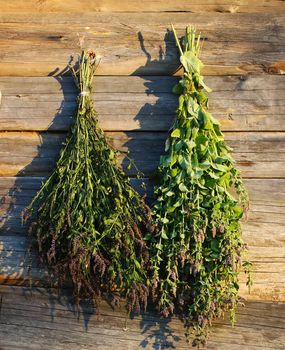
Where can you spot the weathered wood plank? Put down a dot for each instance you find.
(266, 195)
(236, 43)
(264, 235)
(257, 233)
(19, 264)
(21, 243)
(27, 313)
(258, 155)
(141, 103)
(136, 84)
(265, 215)
(55, 6)
(125, 28)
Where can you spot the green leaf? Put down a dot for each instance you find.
(164, 235)
(181, 103)
(175, 133)
(205, 165)
(190, 144)
(192, 106)
(170, 209)
(178, 146)
(178, 203)
(177, 89)
(201, 140)
(239, 212)
(138, 265)
(220, 160)
(202, 98)
(185, 161)
(210, 183)
(170, 193)
(213, 175)
(198, 173)
(201, 82)
(205, 119)
(111, 154)
(220, 167)
(191, 62)
(174, 158)
(164, 220)
(215, 245)
(182, 187)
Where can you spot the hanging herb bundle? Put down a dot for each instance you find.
(197, 250)
(90, 223)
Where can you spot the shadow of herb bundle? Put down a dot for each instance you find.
(197, 251)
(90, 223)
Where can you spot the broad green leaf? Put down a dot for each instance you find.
(178, 203)
(239, 212)
(205, 119)
(164, 235)
(182, 187)
(192, 106)
(177, 89)
(205, 165)
(170, 209)
(175, 133)
(170, 193)
(220, 167)
(178, 146)
(191, 62)
(181, 102)
(190, 144)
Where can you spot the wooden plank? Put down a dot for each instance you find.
(236, 43)
(265, 237)
(265, 215)
(266, 195)
(38, 318)
(20, 243)
(125, 28)
(141, 103)
(136, 84)
(20, 266)
(272, 229)
(55, 6)
(258, 155)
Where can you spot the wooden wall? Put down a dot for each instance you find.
(243, 54)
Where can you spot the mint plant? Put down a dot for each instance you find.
(197, 250)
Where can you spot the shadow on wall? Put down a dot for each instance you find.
(152, 119)
(155, 117)
(145, 148)
(18, 259)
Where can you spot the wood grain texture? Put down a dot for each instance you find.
(140, 103)
(40, 319)
(266, 250)
(244, 61)
(258, 155)
(144, 6)
(19, 266)
(39, 44)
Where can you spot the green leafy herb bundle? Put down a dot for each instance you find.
(90, 223)
(197, 250)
